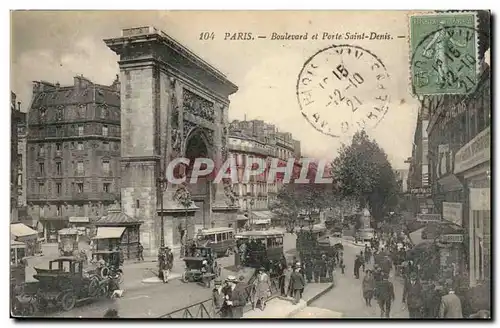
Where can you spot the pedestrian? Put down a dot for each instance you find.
(235, 298)
(140, 252)
(329, 268)
(297, 283)
(357, 265)
(262, 289)
(362, 260)
(341, 262)
(384, 291)
(451, 306)
(368, 287)
(309, 269)
(323, 270)
(317, 270)
(368, 254)
(218, 300)
(287, 274)
(413, 296)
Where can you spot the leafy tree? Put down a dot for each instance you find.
(296, 198)
(363, 171)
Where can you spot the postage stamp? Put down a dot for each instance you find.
(444, 53)
(342, 89)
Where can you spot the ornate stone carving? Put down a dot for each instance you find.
(224, 143)
(59, 113)
(198, 106)
(209, 135)
(188, 126)
(230, 194)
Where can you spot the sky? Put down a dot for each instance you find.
(55, 46)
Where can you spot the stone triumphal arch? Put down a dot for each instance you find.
(173, 104)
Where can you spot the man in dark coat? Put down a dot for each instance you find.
(384, 291)
(309, 268)
(297, 284)
(357, 265)
(317, 270)
(235, 297)
(413, 296)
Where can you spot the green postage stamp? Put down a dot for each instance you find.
(444, 54)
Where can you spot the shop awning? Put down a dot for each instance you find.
(240, 217)
(109, 232)
(262, 221)
(450, 183)
(20, 230)
(79, 219)
(416, 236)
(262, 214)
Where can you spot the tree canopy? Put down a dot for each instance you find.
(294, 198)
(362, 170)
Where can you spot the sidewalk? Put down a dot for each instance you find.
(280, 307)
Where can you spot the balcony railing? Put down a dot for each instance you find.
(74, 196)
(205, 309)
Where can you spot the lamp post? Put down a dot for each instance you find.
(252, 202)
(162, 186)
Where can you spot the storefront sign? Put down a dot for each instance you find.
(452, 212)
(429, 217)
(475, 152)
(421, 191)
(456, 238)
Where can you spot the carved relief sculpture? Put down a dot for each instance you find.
(198, 106)
(230, 194)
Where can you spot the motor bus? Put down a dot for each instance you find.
(220, 240)
(259, 248)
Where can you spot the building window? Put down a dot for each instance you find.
(80, 130)
(106, 187)
(58, 210)
(58, 146)
(58, 131)
(58, 188)
(137, 203)
(105, 167)
(41, 150)
(105, 145)
(58, 168)
(80, 146)
(41, 188)
(79, 186)
(105, 130)
(80, 169)
(41, 168)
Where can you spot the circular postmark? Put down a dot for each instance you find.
(445, 61)
(342, 89)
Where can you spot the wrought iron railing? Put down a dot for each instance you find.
(205, 309)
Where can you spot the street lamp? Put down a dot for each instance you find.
(162, 186)
(252, 202)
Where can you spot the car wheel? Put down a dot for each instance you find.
(68, 301)
(184, 277)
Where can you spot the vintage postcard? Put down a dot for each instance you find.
(250, 164)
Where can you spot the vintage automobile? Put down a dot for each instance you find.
(259, 249)
(65, 283)
(221, 240)
(201, 268)
(68, 241)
